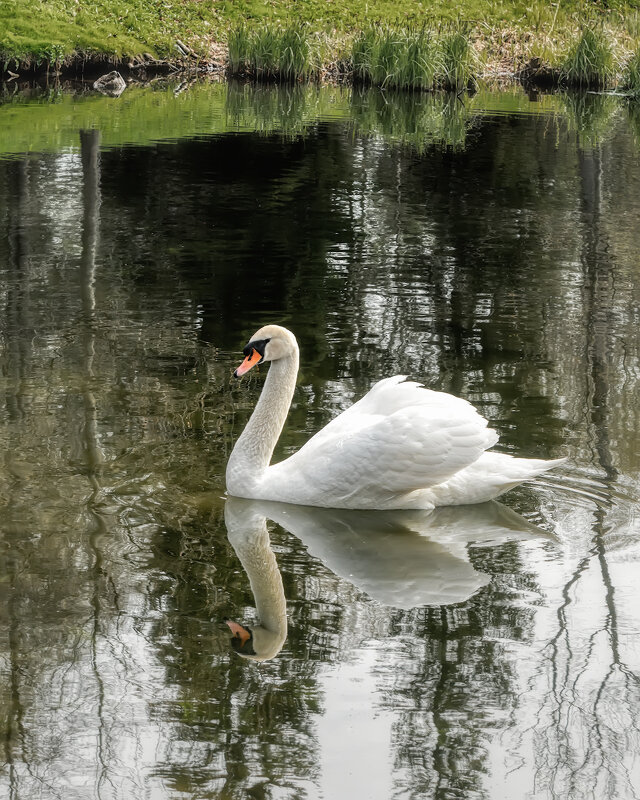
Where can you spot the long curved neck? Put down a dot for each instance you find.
(253, 450)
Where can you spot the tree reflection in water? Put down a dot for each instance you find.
(496, 261)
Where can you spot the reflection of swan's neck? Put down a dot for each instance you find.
(268, 591)
(250, 539)
(253, 450)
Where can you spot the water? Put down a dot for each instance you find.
(487, 248)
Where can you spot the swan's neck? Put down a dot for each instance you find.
(253, 450)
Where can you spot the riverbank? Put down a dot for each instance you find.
(572, 42)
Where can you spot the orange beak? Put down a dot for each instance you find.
(250, 361)
(238, 631)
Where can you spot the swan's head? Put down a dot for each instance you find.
(268, 344)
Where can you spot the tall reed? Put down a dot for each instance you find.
(458, 60)
(631, 77)
(589, 62)
(413, 59)
(285, 53)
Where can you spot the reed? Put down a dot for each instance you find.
(285, 53)
(589, 62)
(413, 60)
(419, 61)
(631, 76)
(458, 60)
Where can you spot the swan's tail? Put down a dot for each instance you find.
(490, 476)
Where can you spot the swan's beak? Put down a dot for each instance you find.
(250, 361)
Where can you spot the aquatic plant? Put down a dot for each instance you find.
(631, 77)
(589, 62)
(273, 52)
(458, 60)
(413, 59)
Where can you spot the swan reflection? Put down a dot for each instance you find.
(398, 558)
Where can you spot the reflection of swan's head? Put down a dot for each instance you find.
(258, 643)
(270, 343)
(242, 639)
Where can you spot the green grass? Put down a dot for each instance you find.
(414, 59)
(396, 58)
(631, 77)
(458, 60)
(274, 52)
(589, 62)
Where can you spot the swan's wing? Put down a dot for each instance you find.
(398, 438)
(391, 395)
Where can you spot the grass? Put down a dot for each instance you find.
(589, 62)
(631, 76)
(286, 53)
(396, 58)
(414, 59)
(458, 61)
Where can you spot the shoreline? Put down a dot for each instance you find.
(337, 63)
(87, 70)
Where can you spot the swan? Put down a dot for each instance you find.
(400, 447)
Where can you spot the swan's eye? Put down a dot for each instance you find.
(258, 346)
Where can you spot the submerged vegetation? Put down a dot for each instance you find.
(401, 45)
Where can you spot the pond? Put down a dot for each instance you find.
(485, 246)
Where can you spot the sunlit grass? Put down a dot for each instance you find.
(631, 76)
(589, 62)
(458, 60)
(413, 59)
(396, 58)
(274, 52)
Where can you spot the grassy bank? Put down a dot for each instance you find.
(399, 43)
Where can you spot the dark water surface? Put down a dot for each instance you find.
(490, 249)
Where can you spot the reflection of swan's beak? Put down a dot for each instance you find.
(242, 640)
(238, 631)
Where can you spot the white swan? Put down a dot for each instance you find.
(400, 446)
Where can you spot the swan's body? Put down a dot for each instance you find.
(400, 446)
